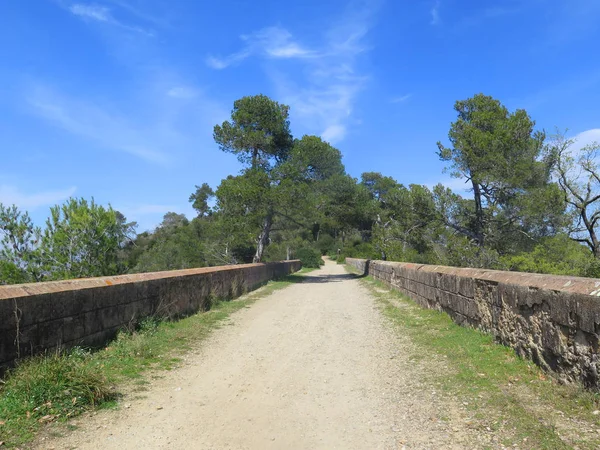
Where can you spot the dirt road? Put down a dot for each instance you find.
(312, 366)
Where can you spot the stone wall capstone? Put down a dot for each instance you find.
(37, 317)
(552, 320)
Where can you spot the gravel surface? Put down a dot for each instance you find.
(313, 366)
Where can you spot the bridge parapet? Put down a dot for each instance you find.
(552, 320)
(37, 317)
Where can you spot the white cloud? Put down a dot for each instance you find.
(322, 91)
(222, 63)
(95, 12)
(11, 195)
(277, 42)
(104, 15)
(401, 99)
(109, 129)
(182, 92)
(435, 13)
(270, 42)
(586, 138)
(334, 133)
(164, 119)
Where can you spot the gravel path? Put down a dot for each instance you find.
(313, 366)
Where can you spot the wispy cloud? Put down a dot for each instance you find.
(103, 14)
(156, 13)
(586, 138)
(109, 129)
(95, 12)
(165, 119)
(323, 83)
(334, 133)
(401, 99)
(12, 195)
(182, 92)
(271, 42)
(221, 63)
(435, 13)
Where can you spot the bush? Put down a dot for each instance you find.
(557, 255)
(309, 257)
(358, 249)
(49, 387)
(326, 244)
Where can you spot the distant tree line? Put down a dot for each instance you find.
(533, 205)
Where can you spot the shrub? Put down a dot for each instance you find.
(309, 257)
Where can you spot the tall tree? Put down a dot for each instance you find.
(498, 153)
(199, 199)
(259, 134)
(578, 174)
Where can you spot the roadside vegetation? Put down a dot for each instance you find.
(530, 203)
(501, 393)
(60, 385)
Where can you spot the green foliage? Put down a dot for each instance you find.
(310, 257)
(285, 181)
(315, 159)
(326, 244)
(19, 247)
(200, 198)
(359, 249)
(499, 154)
(10, 273)
(557, 255)
(459, 251)
(258, 133)
(175, 244)
(82, 239)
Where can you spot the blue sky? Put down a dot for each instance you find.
(116, 99)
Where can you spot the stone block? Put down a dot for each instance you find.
(8, 320)
(48, 334)
(74, 327)
(465, 287)
(587, 310)
(35, 308)
(81, 301)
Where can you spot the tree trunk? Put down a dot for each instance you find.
(288, 254)
(478, 214)
(254, 157)
(263, 238)
(595, 244)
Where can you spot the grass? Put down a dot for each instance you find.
(504, 393)
(61, 385)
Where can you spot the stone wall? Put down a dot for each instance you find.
(553, 320)
(40, 316)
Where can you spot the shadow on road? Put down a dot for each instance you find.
(315, 277)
